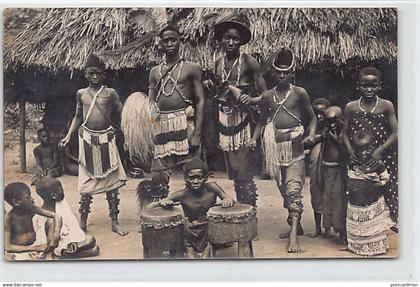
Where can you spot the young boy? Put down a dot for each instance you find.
(333, 177)
(286, 104)
(319, 106)
(46, 157)
(376, 115)
(19, 232)
(74, 243)
(100, 167)
(196, 199)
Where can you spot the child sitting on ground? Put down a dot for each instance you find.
(20, 234)
(367, 214)
(74, 243)
(46, 157)
(196, 199)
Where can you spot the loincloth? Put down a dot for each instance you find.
(70, 231)
(100, 167)
(98, 153)
(170, 132)
(234, 128)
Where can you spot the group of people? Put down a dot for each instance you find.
(353, 168)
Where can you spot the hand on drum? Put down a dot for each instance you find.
(166, 203)
(227, 202)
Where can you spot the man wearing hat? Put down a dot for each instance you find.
(285, 105)
(237, 86)
(100, 167)
(176, 88)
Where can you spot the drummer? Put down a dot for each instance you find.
(196, 199)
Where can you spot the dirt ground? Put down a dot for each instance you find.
(271, 217)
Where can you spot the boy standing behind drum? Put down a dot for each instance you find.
(196, 199)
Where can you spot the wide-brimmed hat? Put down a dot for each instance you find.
(236, 21)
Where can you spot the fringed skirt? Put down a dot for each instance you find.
(170, 134)
(282, 147)
(234, 127)
(366, 228)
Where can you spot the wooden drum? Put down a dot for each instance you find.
(233, 224)
(162, 233)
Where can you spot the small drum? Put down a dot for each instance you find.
(162, 233)
(233, 224)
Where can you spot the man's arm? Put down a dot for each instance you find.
(58, 222)
(11, 247)
(262, 119)
(37, 159)
(199, 102)
(227, 201)
(307, 109)
(152, 85)
(260, 84)
(77, 120)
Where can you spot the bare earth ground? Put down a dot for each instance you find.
(271, 217)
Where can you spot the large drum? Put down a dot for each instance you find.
(162, 233)
(233, 224)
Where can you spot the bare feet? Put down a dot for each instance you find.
(294, 246)
(329, 233)
(286, 234)
(317, 232)
(117, 229)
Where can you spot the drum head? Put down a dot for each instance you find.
(159, 217)
(236, 209)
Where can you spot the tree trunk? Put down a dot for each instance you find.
(22, 140)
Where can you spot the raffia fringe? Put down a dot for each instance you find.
(272, 157)
(242, 138)
(170, 148)
(170, 122)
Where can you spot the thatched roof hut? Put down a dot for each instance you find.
(125, 38)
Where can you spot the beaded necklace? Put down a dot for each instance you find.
(170, 78)
(226, 76)
(374, 107)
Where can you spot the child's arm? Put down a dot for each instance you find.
(10, 247)
(37, 159)
(309, 111)
(170, 200)
(227, 201)
(348, 113)
(58, 222)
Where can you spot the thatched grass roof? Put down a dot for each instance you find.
(126, 38)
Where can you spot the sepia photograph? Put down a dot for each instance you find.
(200, 133)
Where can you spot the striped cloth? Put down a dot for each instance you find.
(98, 153)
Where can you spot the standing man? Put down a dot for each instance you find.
(100, 167)
(285, 105)
(174, 86)
(238, 84)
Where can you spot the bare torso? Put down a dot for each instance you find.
(244, 69)
(174, 101)
(21, 228)
(98, 120)
(195, 206)
(282, 119)
(333, 152)
(45, 155)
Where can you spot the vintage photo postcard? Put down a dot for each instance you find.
(200, 133)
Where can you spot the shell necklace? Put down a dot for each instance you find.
(226, 76)
(373, 109)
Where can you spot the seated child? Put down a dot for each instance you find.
(367, 214)
(46, 157)
(19, 230)
(74, 243)
(332, 173)
(196, 199)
